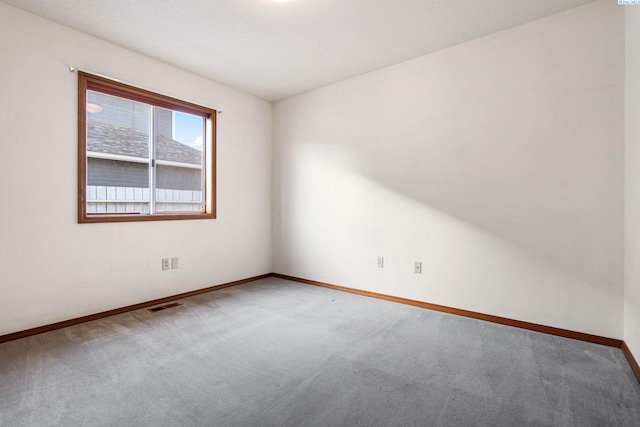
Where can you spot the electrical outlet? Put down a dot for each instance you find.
(174, 263)
(380, 262)
(166, 263)
(417, 267)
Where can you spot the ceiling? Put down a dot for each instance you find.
(276, 50)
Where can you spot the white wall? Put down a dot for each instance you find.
(54, 269)
(632, 181)
(498, 163)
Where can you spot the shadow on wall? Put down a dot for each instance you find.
(485, 229)
(547, 180)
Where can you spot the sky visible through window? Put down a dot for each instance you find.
(188, 130)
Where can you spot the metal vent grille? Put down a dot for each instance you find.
(164, 307)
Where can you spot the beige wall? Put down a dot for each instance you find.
(498, 163)
(632, 182)
(54, 269)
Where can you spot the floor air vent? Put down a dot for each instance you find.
(164, 307)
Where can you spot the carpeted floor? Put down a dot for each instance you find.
(278, 353)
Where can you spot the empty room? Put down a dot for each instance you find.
(319, 213)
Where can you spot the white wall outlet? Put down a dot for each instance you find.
(166, 263)
(380, 262)
(174, 263)
(417, 267)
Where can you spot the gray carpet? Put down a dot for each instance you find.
(277, 353)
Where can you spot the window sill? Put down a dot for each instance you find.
(126, 217)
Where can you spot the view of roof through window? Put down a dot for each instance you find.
(133, 148)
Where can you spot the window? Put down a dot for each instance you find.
(142, 156)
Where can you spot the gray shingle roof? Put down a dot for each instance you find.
(106, 138)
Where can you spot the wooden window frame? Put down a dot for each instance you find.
(107, 86)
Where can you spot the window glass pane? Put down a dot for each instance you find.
(179, 169)
(117, 154)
